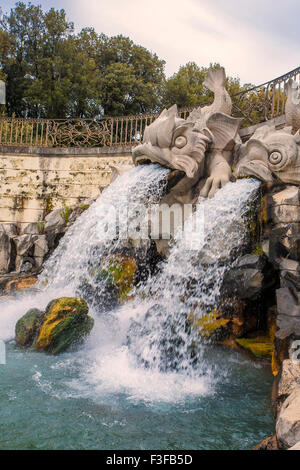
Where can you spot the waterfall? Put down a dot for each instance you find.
(189, 283)
(84, 243)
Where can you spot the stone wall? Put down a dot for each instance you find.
(35, 181)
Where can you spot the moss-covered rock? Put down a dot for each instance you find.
(65, 324)
(111, 284)
(27, 327)
(210, 325)
(260, 346)
(122, 270)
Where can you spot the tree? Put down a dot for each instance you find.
(132, 78)
(51, 72)
(46, 72)
(185, 88)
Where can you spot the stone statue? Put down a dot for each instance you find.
(271, 155)
(198, 149)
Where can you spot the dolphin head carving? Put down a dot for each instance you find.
(270, 154)
(181, 144)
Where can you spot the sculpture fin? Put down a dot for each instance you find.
(195, 115)
(216, 79)
(161, 130)
(224, 129)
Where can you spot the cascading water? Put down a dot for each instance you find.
(146, 350)
(86, 242)
(159, 332)
(190, 281)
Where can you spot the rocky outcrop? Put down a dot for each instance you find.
(284, 214)
(11, 283)
(285, 254)
(248, 302)
(270, 443)
(64, 324)
(288, 325)
(288, 421)
(5, 251)
(111, 284)
(249, 278)
(287, 381)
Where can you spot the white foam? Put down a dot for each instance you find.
(114, 357)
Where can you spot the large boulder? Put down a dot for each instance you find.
(112, 283)
(55, 221)
(40, 249)
(250, 275)
(288, 325)
(288, 302)
(290, 274)
(27, 327)
(285, 241)
(287, 381)
(288, 422)
(66, 323)
(5, 249)
(25, 250)
(55, 227)
(24, 244)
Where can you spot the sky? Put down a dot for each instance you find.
(256, 40)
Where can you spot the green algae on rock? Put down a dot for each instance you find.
(261, 346)
(66, 324)
(28, 326)
(63, 325)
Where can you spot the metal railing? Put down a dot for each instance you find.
(255, 105)
(117, 131)
(264, 102)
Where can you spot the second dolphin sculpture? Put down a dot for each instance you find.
(199, 148)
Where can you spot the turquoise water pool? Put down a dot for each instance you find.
(51, 403)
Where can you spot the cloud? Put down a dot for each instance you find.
(250, 42)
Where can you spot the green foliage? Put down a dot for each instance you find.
(185, 88)
(41, 227)
(258, 250)
(52, 72)
(84, 207)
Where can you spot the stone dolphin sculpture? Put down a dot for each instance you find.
(271, 154)
(199, 147)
